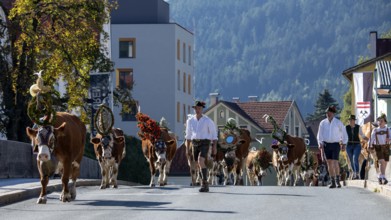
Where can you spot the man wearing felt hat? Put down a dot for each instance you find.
(201, 131)
(332, 138)
(380, 139)
(353, 147)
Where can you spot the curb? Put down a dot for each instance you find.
(384, 190)
(56, 186)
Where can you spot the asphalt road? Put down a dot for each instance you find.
(180, 201)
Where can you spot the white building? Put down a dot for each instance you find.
(158, 57)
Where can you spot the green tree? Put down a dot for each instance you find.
(347, 105)
(62, 38)
(325, 99)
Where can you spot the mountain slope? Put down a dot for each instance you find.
(278, 49)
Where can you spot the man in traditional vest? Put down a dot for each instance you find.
(380, 139)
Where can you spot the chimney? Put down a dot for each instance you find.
(236, 99)
(252, 98)
(373, 44)
(214, 98)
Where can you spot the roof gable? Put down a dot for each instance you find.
(277, 109)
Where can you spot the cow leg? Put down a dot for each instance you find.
(153, 173)
(166, 171)
(251, 176)
(114, 175)
(259, 178)
(104, 172)
(65, 194)
(226, 175)
(75, 175)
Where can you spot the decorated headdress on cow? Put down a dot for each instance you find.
(104, 120)
(149, 128)
(40, 109)
(163, 123)
(277, 132)
(229, 135)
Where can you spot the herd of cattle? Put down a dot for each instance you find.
(291, 160)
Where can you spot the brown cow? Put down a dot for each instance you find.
(232, 153)
(368, 154)
(159, 154)
(257, 163)
(287, 159)
(309, 168)
(65, 140)
(109, 150)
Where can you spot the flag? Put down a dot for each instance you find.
(363, 84)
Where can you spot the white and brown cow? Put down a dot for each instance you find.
(232, 152)
(109, 149)
(65, 140)
(257, 163)
(287, 159)
(159, 154)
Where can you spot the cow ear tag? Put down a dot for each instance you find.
(229, 139)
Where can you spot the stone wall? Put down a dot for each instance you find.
(18, 161)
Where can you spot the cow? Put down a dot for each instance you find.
(232, 151)
(159, 154)
(287, 159)
(309, 168)
(257, 163)
(65, 141)
(367, 153)
(109, 149)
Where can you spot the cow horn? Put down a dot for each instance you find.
(260, 141)
(307, 141)
(104, 120)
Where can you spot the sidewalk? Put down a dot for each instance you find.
(14, 190)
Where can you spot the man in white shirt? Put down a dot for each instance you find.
(332, 138)
(380, 139)
(201, 131)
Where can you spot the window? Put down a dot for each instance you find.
(178, 112)
(184, 52)
(287, 129)
(188, 110)
(184, 82)
(184, 114)
(189, 84)
(221, 114)
(179, 80)
(124, 78)
(297, 131)
(127, 48)
(189, 55)
(178, 50)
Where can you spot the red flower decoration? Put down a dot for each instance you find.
(149, 128)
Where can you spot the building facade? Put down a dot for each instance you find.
(156, 57)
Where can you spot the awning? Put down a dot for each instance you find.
(384, 73)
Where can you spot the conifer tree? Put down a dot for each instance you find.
(325, 99)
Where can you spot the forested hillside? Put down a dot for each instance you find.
(278, 49)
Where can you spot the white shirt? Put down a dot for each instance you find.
(200, 129)
(380, 138)
(332, 132)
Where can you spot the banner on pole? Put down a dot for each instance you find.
(363, 84)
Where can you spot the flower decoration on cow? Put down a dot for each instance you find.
(229, 134)
(149, 128)
(40, 109)
(277, 133)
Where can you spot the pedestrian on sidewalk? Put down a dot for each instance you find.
(332, 138)
(201, 131)
(380, 139)
(353, 147)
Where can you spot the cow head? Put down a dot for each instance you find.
(105, 144)
(282, 151)
(44, 137)
(161, 150)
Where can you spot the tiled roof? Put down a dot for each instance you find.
(235, 107)
(256, 110)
